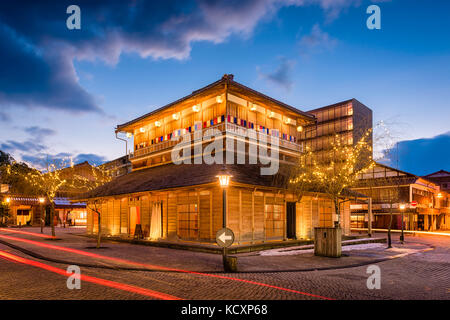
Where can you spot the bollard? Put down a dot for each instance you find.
(230, 263)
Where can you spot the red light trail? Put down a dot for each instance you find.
(93, 255)
(99, 281)
(25, 232)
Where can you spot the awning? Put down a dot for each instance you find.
(64, 203)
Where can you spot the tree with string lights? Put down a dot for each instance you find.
(48, 182)
(97, 178)
(337, 171)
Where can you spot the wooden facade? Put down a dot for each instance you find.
(184, 202)
(389, 188)
(195, 214)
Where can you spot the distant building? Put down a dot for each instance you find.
(442, 178)
(117, 167)
(390, 188)
(347, 121)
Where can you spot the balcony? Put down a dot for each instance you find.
(222, 127)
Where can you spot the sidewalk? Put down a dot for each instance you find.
(208, 247)
(295, 258)
(411, 232)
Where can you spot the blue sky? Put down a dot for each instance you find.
(62, 92)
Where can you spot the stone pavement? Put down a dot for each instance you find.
(419, 269)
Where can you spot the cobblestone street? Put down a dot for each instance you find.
(29, 264)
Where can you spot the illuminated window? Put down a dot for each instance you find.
(274, 215)
(188, 220)
(325, 214)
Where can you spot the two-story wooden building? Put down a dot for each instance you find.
(421, 203)
(225, 120)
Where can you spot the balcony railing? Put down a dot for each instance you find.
(230, 127)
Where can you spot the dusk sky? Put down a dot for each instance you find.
(62, 92)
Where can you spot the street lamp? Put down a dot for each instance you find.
(402, 209)
(224, 181)
(440, 195)
(41, 202)
(8, 200)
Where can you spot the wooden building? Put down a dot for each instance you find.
(184, 202)
(23, 209)
(117, 167)
(425, 206)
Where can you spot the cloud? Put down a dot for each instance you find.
(39, 133)
(4, 117)
(40, 160)
(421, 156)
(12, 146)
(316, 41)
(282, 75)
(32, 78)
(93, 159)
(37, 50)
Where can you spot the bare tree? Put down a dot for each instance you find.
(98, 177)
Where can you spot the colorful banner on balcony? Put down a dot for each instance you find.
(206, 124)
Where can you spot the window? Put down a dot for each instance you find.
(188, 220)
(274, 220)
(325, 214)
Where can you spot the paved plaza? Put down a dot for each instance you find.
(33, 267)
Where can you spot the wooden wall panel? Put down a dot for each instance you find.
(247, 215)
(172, 217)
(145, 215)
(304, 217)
(110, 221)
(217, 209)
(104, 217)
(124, 216)
(116, 217)
(204, 219)
(259, 216)
(90, 223)
(233, 215)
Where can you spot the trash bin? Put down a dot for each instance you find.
(328, 242)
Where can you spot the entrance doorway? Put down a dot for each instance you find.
(156, 221)
(291, 220)
(134, 219)
(23, 217)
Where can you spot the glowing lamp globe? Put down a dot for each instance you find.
(224, 180)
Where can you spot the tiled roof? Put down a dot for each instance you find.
(175, 176)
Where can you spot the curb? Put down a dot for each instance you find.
(236, 250)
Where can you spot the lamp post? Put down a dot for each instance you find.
(402, 236)
(41, 202)
(224, 181)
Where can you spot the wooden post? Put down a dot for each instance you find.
(240, 215)
(284, 218)
(211, 215)
(198, 213)
(369, 218)
(253, 215)
(264, 215)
